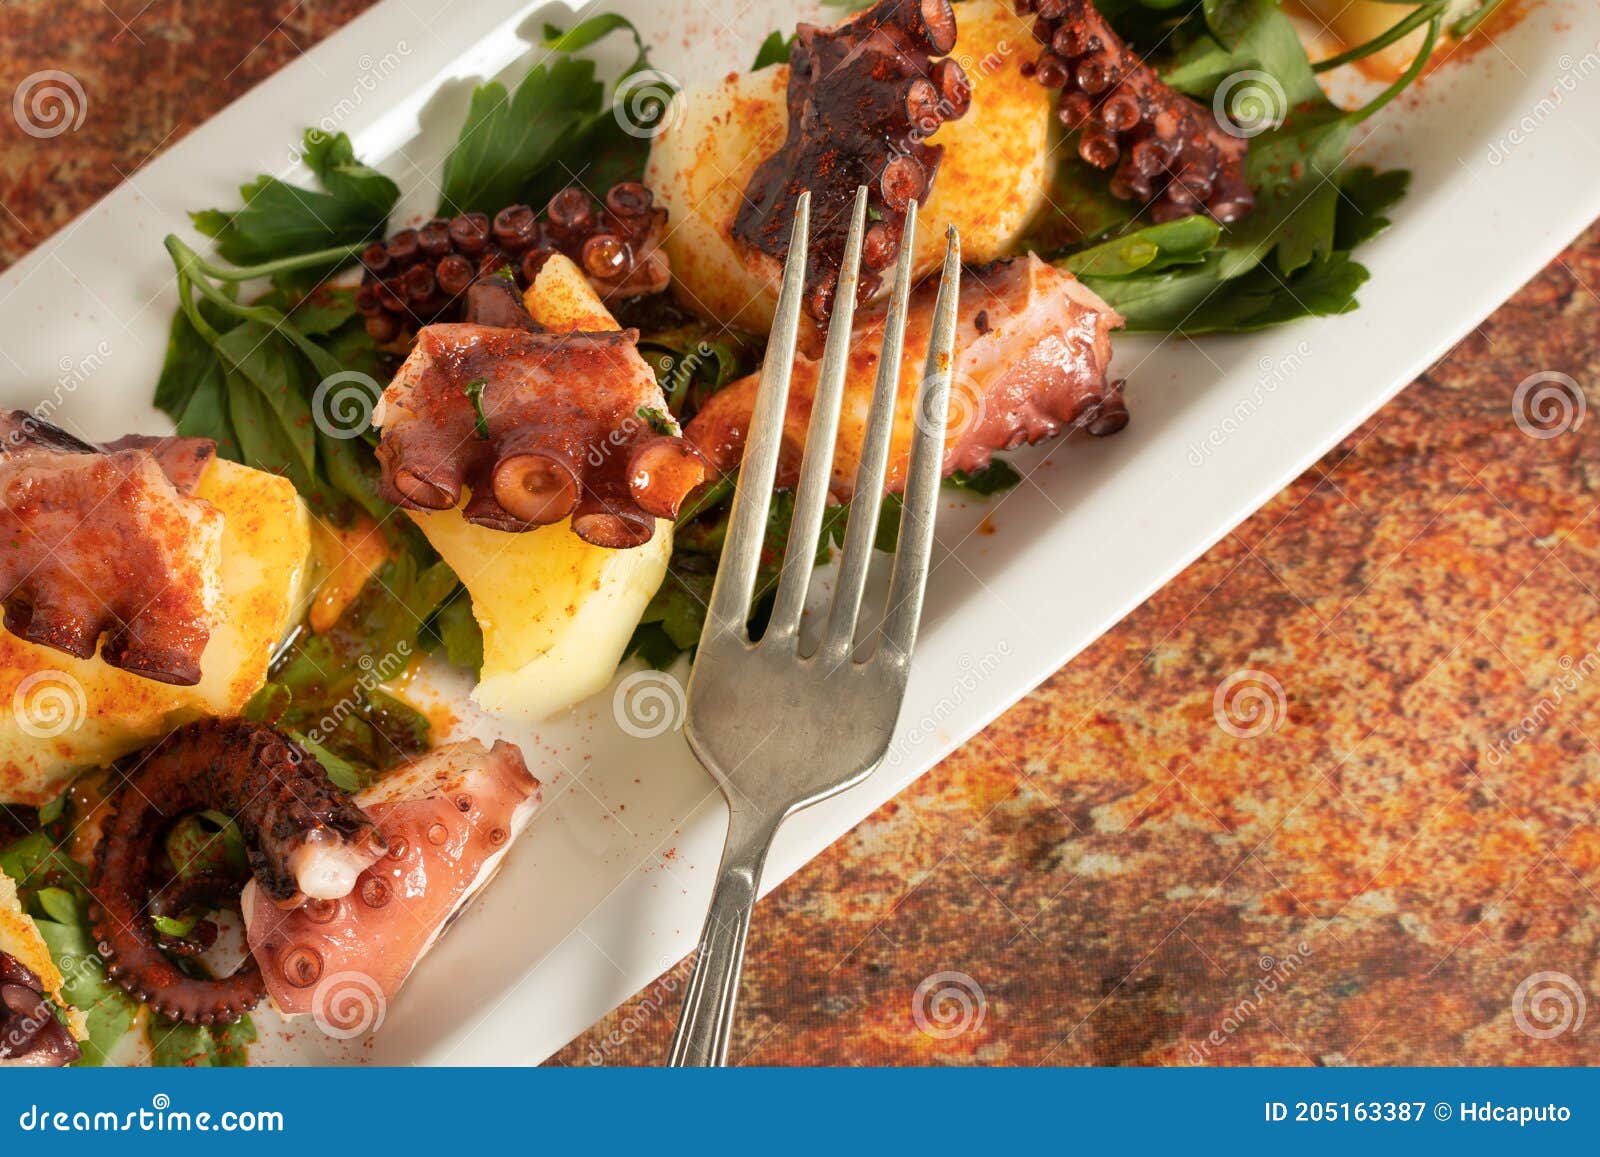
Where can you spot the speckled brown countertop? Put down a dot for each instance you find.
(1105, 875)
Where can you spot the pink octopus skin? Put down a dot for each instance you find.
(536, 427)
(863, 98)
(449, 817)
(304, 839)
(1032, 349)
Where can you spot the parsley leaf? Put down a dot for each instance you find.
(279, 219)
(480, 421)
(1147, 250)
(174, 1044)
(774, 50)
(510, 136)
(998, 476)
(1291, 257)
(53, 889)
(556, 128)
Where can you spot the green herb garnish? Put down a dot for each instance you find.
(1291, 256)
(774, 50)
(659, 421)
(995, 478)
(278, 218)
(474, 391)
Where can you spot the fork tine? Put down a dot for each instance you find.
(862, 529)
(741, 552)
(816, 467)
(915, 548)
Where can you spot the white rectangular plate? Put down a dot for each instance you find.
(599, 898)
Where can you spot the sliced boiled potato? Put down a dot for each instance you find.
(20, 939)
(990, 182)
(66, 714)
(1353, 22)
(556, 612)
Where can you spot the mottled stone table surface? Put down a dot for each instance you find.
(1400, 870)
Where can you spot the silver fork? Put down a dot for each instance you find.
(780, 730)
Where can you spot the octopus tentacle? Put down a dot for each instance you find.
(1166, 150)
(423, 276)
(1033, 360)
(205, 891)
(108, 543)
(535, 427)
(30, 1032)
(863, 99)
(303, 838)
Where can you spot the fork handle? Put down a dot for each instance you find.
(707, 1019)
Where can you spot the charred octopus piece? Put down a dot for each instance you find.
(304, 839)
(1033, 345)
(538, 427)
(1166, 150)
(30, 1032)
(108, 541)
(863, 99)
(420, 276)
(449, 817)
